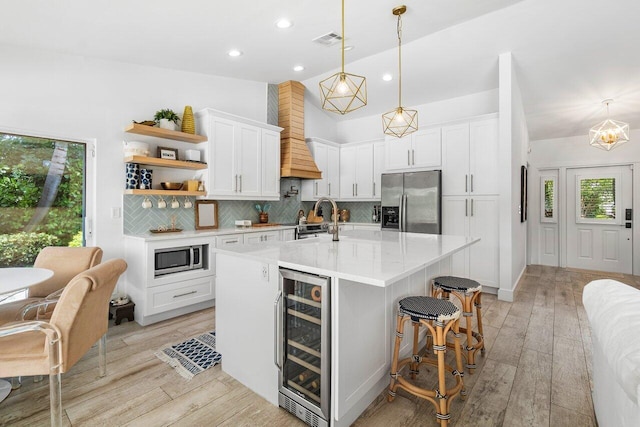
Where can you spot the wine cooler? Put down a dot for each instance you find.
(302, 315)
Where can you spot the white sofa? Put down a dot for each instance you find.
(613, 309)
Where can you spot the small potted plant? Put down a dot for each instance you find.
(166, 119)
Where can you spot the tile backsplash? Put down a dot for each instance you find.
(137, 220)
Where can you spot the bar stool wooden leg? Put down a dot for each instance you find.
(478, 304)
(440, 346)
(467, 312)
(396, 351)
(415, 355)
(460, 369)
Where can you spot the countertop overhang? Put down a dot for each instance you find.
(377, 258)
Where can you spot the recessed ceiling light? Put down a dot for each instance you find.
(284, 23)
(234, 53)
(387, 77)
(346, 48)
(298, 68)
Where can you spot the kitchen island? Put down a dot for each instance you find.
(368, 273)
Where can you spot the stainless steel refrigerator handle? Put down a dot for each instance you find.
(471, 207)
(472, 183)
(403, 213)
(466, 207)
(466, 180)
(277, 331)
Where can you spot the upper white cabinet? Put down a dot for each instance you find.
(243, 157)
(470, 158)
(327, 158)
(419, 150)
(356, 172)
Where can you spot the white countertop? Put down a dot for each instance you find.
(378, 258)
(148, 236)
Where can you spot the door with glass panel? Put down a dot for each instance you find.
(599, 235)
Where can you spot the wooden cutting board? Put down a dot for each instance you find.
(312, 218)
(266, 224)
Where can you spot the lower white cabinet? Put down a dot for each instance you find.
(179, 294)
(169, 295)
(476, 217)
(288, 235)
(261, 237)
(229, 240)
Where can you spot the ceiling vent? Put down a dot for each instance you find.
(328, 39)
(296, 160)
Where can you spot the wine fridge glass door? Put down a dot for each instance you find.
(305, 371)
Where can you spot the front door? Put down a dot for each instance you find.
(598, 202)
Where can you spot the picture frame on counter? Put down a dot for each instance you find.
(206, 214)
(167, 153)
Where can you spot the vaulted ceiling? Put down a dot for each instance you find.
(569, 54)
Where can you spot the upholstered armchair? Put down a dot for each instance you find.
(66, 263)
(79, 319)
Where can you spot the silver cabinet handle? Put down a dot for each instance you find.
(241, 183)
(466, 207)
(276, 331)
(329, 188)
(408, 157)
(471, 207)
(230, 241)
(374, 188)
(235, 188)
(316, 188)
(353, 189)
(356, 189)
(185, 294)
(472, 183)
(413, 157)
(466, 182)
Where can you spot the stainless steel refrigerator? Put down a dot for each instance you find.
(411, 202)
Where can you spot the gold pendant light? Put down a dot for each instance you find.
(400, 121)
(610, 133)
(343, 92)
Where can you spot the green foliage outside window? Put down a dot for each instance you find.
(548, 198)
(598, 198)
(41, 196)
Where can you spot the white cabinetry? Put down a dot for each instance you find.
(327, 158)
(243, 157)
(261, 237)
(419, 150)
(288, 235)
(470, 158)
(378, 168)
(170, 295)
(356, 172)
(470, 202)
(229, 240)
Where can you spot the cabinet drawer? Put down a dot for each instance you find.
(229, 240)
(179, 294)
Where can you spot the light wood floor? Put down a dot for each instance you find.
(536, 372)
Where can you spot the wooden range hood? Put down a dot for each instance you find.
(296, 160)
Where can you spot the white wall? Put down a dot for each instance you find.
(83, 99)
(512, 155)
(561, 153)
(370, 127)
(317, 122)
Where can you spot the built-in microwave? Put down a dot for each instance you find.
(174, 260)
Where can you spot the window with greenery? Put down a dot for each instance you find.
(598, 198)
(548, 198)
(42, 188)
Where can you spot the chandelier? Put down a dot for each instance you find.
(609, 133)
(343, 92)
(400, 121)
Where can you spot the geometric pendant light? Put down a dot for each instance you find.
(610, 133)
(400, 121)
(343, 92)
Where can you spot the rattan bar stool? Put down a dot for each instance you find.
(469, 292)
(439, 317)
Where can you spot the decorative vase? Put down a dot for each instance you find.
(263, 217)
(132, 176)
(188, 123)
(167, 124)
(145, 179)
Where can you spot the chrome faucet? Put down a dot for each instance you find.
(335, 215)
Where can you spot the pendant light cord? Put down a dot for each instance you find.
(342, 36)
(399, 30)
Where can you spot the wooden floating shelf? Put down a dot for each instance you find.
(155, 161)
(165, 193)
(164, 133)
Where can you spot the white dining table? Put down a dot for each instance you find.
(13, 279)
